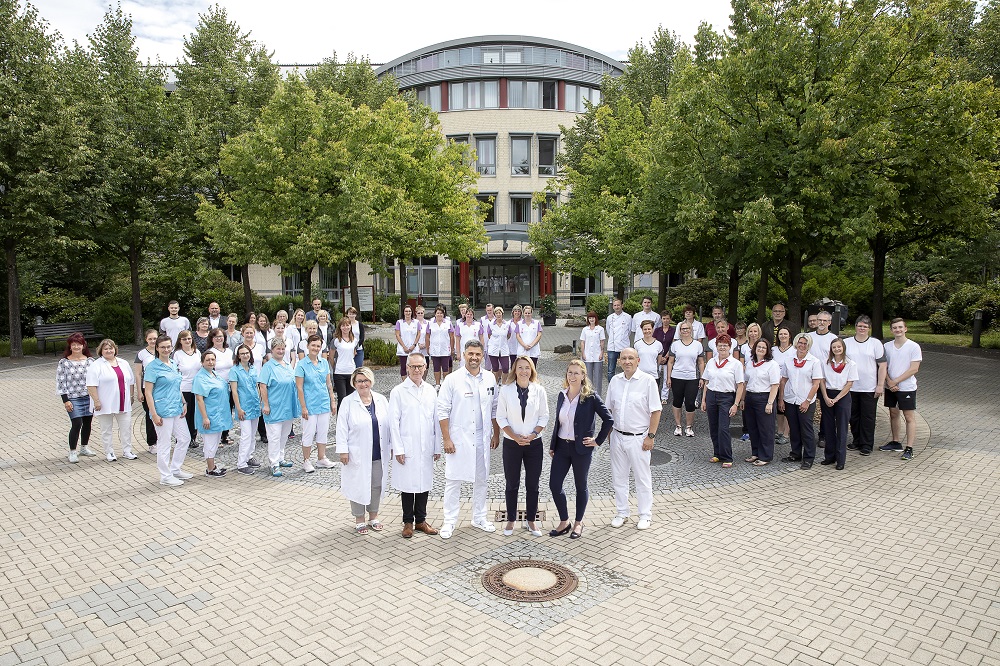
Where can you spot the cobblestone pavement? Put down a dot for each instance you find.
(886, 562)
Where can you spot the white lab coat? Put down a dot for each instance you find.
(354, 437)
(536, 412)
(456, 403)
(413, 432)
(102, 375)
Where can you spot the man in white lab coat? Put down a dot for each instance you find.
(466, 412)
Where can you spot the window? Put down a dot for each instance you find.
(577, 95)
(456, 96)
(571, 97)
(520, 210)
(331, 280)
(422, 277)
(520, 156)
(547, 156)
(580, 287)
(491, 57)
(491, 94)
(531, 94)
(491, 216)
(431, 96)
(486, 156)
(548, 94)
(512, 57)
(459, 138)
(291, 285)
(473, 96)
(550, 201)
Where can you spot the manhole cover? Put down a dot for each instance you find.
(529, 580)
(659, 457)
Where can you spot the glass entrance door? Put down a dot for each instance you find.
(506, 284)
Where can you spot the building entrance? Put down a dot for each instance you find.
(505, 283)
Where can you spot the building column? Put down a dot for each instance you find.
(463, 278)
(503, 93)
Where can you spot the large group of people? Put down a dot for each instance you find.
(265, 375)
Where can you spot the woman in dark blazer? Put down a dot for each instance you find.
(573, 443)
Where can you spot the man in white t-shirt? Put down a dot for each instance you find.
(617, 327)
(869, 355)
(646, 314)
(173, 324)
(903, 357)
(822, 337)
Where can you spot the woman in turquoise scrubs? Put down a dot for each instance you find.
(315, 394)
(279, 403)
(246, 398)
(211, 394)
(167, 409)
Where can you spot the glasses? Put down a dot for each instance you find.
(362, 380)
(417, 367)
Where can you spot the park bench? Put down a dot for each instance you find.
(55, 332)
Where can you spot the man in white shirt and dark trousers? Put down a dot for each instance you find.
(634, 403)
(903, 356)
(617, 327)
(821, 339)
(869, 354)
(466, 412)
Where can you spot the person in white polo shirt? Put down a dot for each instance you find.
(634, 403)
(646, 314)
(869, 354)
(822, 336)
(173, 324)
(839, 375)
(722, 391)
(801, 376)
(903, 356)
(617, 327)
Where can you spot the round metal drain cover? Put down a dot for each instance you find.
(529, 580)
(659, 457)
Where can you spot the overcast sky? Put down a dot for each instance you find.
(306, 31)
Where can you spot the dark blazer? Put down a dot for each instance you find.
(583, 423)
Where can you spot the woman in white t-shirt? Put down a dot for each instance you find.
(188, 360)
(469, 328)
(407, 332)
(438, 341)
(497, 338)
(723, 383)
(685, 364)
(343, 347)
(763, 377)
(592, 343)
(781, 352)
(839, 375)
(649, 350)
(513, 348)
(142, 359)
(697, 328)
(529, 336)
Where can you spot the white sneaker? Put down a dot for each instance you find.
(678, 432)
(111, 457)
(690, 432)
(643, 524)
(184, 475)
(618, 521)
(446, 531)
(171, 481)
(307, 467)
(485, 526)
(129, 455)
(324, 463)
(74, 457)
(85, 451)
(152, 449)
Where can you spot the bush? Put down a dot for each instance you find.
(922, 300)
(633, 303)
(288, 303)
(458, 300)
(700, 292)
(962, 305)
(57, 306)
(942, 323)
(28, 345)
(747, 312)
(599, 303)
(380, 352)
(113, 318)
(387, 308)
(991, 340)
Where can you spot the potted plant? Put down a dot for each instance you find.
(547, 306)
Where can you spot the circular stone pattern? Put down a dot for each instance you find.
(529, 580)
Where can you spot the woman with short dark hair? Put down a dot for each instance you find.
(71, 384)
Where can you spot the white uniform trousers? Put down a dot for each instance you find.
(627, 455)
(124, 423)
(453, 492)
(315, 428)
(169, 465)
(210, 440)
(277, 436)
(248, 428)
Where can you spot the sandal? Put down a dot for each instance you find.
(714, 459)
(727, 465)
(376, 525)
(751, 459)
(761, 463)
(361, 529)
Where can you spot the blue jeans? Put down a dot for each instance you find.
(359, 358)
(612, 364)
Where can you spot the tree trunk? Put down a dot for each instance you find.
(133, 270)
(13, 299)
(247, 292)
(795, 287)
(732, 309)
(402, 285)
(620, 289)
(661, 295)
(305, 277)
(762, 296)
(352, 281)
(880, 250)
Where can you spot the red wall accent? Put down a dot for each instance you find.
(463, 278)
(561, 103)
(444, 97)
(503, 93)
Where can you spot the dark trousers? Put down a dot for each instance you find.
(719, 403)
(514, 455)
(79, 430)
(261, 430)
(566, 457)
(342, 387)
(760, 425)
(800, 431)
(189, 417)
(232, 406)
(150, 429)
(836, 419)
(414, 507)
(863, 409)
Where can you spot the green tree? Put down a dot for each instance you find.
(42, 143)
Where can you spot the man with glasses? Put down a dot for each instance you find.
(869, 354)
(778, 321)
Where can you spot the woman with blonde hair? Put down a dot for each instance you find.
(801, 376)
(111, 385)
(573, 443)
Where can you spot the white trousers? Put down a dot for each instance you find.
(277, 435)
(627, 455)
(169, 465)
(248, 428)
(453, 492)
(124, 422)
(316, 427)
(210, 440)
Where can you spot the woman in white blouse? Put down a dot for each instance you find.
(522, 414)
(839, 375)
(592, 345)
(649, 349)
(111, 386)
(801, 376)
(438, 343)
(763, 378)
(722, 391)
(529, 336)
(497, 338)
(469, 328)
(686, 362)
(407, 332)
(781, 352)
(188, 360)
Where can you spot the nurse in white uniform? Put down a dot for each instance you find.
(111, 386)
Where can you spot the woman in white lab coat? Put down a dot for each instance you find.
(111, 385)
(364, 447)
(416, 444)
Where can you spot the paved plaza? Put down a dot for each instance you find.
(885, 562)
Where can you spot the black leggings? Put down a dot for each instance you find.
(189, 417)
(79, 430)
(685, 391)
(150, 430)
(342, 387)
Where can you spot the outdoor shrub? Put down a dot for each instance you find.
(990, 340)
(113, 318)
(599, 303)
(968, 298)
(940, 322)
(633, 303)
(386, 308)
(288, 303)
(57, 305)
(922, 300)
(380, 352)
(699, 292)
(747, 312)
(28, 345)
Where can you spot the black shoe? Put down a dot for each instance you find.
(839, 467)
(263, 440)
(865, 452)
(891, 446)
(807, 464)
(791, 458)
(245, 470)
(193, 445)
(907, 454)
(216, 471)
(828, 462)
(851, 446)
